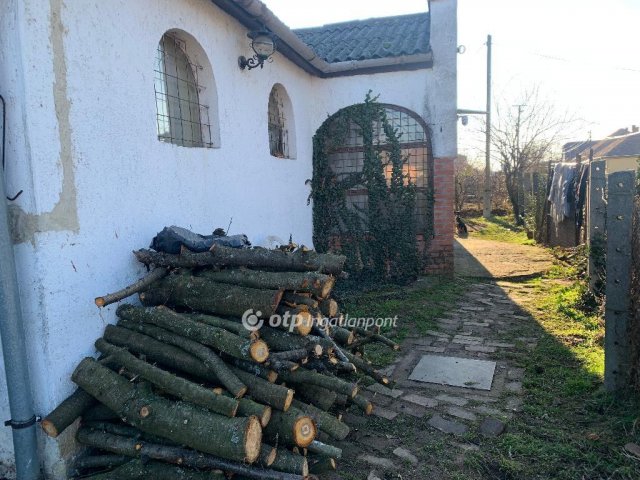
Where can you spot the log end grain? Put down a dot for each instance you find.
(266, 417)
(259, 351)
(288, 400)
(304, 431)
(253, 439)
(49, 428)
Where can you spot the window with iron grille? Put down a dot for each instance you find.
(181, 118)
(348, 158)
(278, 133)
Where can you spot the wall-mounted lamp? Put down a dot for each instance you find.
(263, 44)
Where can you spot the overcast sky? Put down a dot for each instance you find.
(583, 54)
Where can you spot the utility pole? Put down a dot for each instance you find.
(520, 178)
(487, 169)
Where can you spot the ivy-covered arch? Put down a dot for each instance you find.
(372, 187)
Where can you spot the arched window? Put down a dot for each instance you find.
(181, 117)
(281, 125)
(348, 157)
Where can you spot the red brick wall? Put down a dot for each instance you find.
(440, 254)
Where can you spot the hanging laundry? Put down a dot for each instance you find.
(561, 195)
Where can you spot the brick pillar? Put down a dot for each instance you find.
(440, 254)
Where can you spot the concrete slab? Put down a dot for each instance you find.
(454, 371)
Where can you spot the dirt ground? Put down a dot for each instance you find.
(491, 259)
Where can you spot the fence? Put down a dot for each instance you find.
(635, 296)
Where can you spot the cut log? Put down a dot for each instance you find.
(180, 422)
(329, 308)
(365, 405)
(137, 470)
(203, 295)
(99, 413)
(343, 336)
(323, 465)
(212, 361)
(318, 396)
(292, 427)
(248, 408)
(67, 412)
(296, 298)
(290, 462)
(316, 283)
(325, 450)
(346, 365)
(172, 384)
(176, 455)
(127, 430)
(262, 391)
(290, 355)
(92, 462)
(304, 377)
(296, 320)
(282, 365)
(367, 369)
(218, 338)
(137, 287)
(160, 352)
(325, 421)
(299, 261)
(234, 326)
(267, 455)
(259, 370)
(282, 341)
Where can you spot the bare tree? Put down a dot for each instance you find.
(523, 134)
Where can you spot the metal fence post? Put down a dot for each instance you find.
(620, 201)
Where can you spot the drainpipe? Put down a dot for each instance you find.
(23, 419)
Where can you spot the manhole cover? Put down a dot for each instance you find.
(457, 372)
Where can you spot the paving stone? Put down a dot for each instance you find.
(476, 324)
(480, 398)
(376, 442)
(377, 399)
(447, 426)
(388, 371)
(462, 413)
(466, 341)
(492, 427)
(480, 348)
(467, 447)
(405, 454)
(514, 387)
(384, 413)
(420, 400)
(473, 309)
(377, 388)
(516, 373)
(425, 342)
(377, 461)
(514, 404)
(483, 409)
(432, 349)
(500, 344)
(373, 475)
(433, 333)
(461, 402)
(467, 336)
(409, 409)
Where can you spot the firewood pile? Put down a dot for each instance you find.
(187, 387)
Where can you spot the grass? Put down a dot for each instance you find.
(416, 308)
(499, 229)
(570, 428)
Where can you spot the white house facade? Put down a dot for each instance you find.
(104, 162)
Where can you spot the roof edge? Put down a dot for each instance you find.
(254, 14)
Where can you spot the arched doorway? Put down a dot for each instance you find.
(341, 149)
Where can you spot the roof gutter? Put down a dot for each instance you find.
(254, 14)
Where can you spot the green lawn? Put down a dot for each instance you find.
(500, 229)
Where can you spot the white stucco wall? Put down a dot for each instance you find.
(82, 143)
